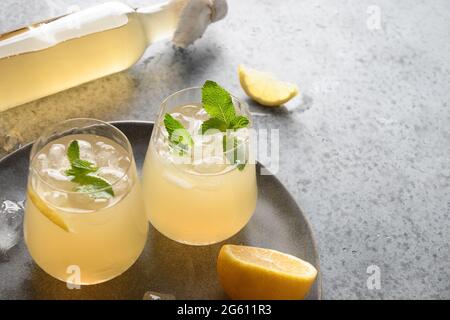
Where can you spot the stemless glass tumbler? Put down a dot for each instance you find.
(198, 200)
(85, 220)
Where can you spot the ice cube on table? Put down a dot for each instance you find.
(11, 216)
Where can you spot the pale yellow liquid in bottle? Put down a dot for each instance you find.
(32, 75)
(105, 236)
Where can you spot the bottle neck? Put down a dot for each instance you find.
(161, 19)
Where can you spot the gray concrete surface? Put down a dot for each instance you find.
(366, 149)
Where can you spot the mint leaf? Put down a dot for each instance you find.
(95, 186)
(240, 155)
(84, 165)
(74, 172)
(80, 167)
(73, 152)
(92, 184)
(178, 135)
(239, 122)
(92, 191)
(213, 123)
(219, 105)
(235, 152)
(217, 102)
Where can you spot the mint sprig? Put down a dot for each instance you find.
(218, 103)
(94, 185)
(81, 172)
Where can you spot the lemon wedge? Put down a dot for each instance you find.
(249, 273)
(51, 214)
(264, 88)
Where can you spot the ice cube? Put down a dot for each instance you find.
(86, 151)
(209, 165)
(57, 198)
(101, 201)
(106, 155)
(57, 175)
(123, 162)
(57, 156)
(201, 114)
(57, 178)
(181, 117)
(11, 215)
(187, 118)
(41, 162)
(121, 182)
(103, 146)
(110, 174)
(189, 110)
(208, 145)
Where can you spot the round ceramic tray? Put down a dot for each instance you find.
(165, 266)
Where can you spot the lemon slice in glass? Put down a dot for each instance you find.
(264, 88)
(249, 273)
(51, 214)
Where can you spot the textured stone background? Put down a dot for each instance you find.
(365, 150)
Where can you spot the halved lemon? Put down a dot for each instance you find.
(264, 88)
(249, 273)
(51, 214)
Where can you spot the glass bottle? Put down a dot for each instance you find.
(64, 52)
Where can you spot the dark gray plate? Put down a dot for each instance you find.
(165, 266)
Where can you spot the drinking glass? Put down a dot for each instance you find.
(198, 200)
(81, 233)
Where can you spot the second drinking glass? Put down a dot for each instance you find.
(199, 196)
(85, 221)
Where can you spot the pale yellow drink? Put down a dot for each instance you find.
(196, 203)
(77, 237)
(37, 73)
(81, 47)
